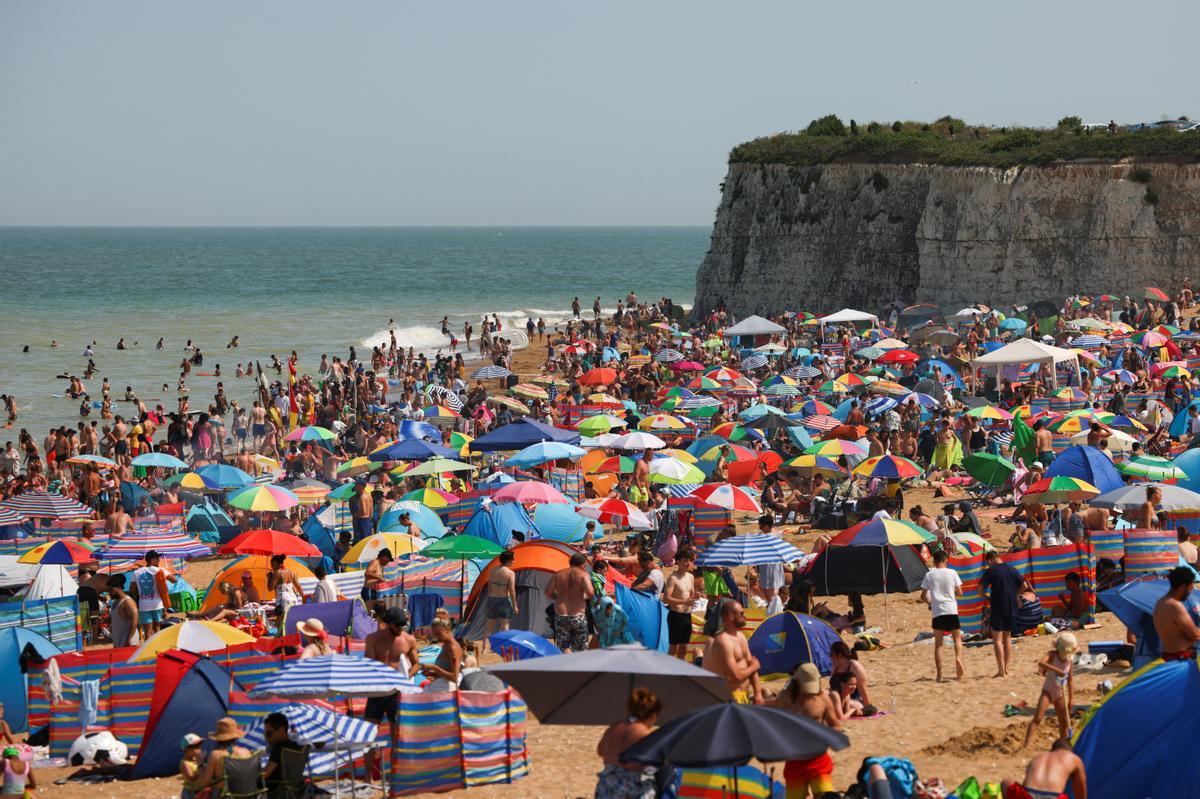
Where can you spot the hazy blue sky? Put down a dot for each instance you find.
(516, 112)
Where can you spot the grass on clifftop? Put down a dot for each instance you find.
(952, 142)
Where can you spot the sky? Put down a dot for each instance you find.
(523, 112)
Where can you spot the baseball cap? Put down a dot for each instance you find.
(189, 740)
(395, 617)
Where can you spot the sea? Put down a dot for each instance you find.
(313, 290)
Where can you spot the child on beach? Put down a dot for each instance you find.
(1058, 688)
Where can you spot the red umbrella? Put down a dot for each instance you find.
(898, 356)
(600, 376)
(687, 366)
(1156, 294)
(727, 496)
(270, 542)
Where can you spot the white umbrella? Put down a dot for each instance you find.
(637, 440)
(1117, 442)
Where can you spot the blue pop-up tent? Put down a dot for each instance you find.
(1088, 464)
(784, 641)
(521, 434)
(14, 688)
(1133, 603)
(496, 521)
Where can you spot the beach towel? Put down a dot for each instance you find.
(946, 456)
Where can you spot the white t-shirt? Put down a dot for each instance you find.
(656, 579)
(941, 584)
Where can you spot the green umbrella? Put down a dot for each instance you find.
(467, 547)
(438, 466)
(704, 412)
(989, 469)
(342, 492)
(1151, 467)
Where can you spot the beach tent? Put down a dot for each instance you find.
(497, 521)
(321, 528)
(753, 326)
(560, 522)
(867, 570)
(1027, 351)
(784, 641)
(347, 617)
(534, 562)
(190, 693)
(211, 524)
(1189, 461)
(258, 566)
(18, 645)
(646, 616)
(132, 495)
(52, 582)
(14, 574)
(1088, 464)
(849, 315)
(1137, 741)
(426, 518)
(521, 434)
(1180, 425)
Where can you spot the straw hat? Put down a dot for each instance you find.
(807, 678)
(311, 627)
(227, 730)
(1065, 644)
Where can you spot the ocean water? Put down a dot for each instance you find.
(313, 290)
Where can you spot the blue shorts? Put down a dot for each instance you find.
(1046, 458)
(363, 528)
(150, 616)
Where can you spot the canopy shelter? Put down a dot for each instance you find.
(849, 316)
(521, 434)
(1027, 351)
(753, 331)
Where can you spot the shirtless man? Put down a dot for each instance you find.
(1176, 629)
(258, 424)
(361, 508)
(679, 595)
(804, 697)
(1187, 550)
(641, 471)
(392, 646)
(1044, 442)
(501, 595)
(410, 527)
(1097, 432)
(728, 654)
(373, 576)
(1047, 775)
(1147, 513)
(571, 589)
(286, 585)
(118, 522)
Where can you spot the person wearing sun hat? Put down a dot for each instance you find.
(226, 736)
(804, 697)
(315, 638)
(1058, 689)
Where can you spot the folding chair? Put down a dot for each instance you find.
(243, 777)
(293, 775)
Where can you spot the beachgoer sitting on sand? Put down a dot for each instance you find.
(1076, 604)
(846, 666)
(1047, 775)
(620, 780)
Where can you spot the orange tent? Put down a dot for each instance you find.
(258, 566)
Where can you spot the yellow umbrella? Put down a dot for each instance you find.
(399, 544)
(663, 421)
(191, 636)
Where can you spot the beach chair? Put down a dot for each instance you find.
(293, 775)
(242, 777)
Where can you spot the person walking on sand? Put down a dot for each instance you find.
(570, 589)
(1047, 776)
(679, 595)
(501, 595)
(1002, 583)
(940, 589)
(1058, 689)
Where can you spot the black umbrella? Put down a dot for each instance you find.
(867, 570)
(733, 735)
(772, 421)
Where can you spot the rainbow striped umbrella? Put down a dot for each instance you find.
(360, 465)
(704, 383)
(725, 495)
(732, 431)
(663, 421)
(882, 532)
(264, 498)
(833, 387)
(990, 412)
(1175, 371)
(44, 505)
(63, 552)
(1149, 338)
(310, 492)
(431, 497)
(812, 465)
(599, 424)
(134, 546)
(459, 443)
(722, 374)
(9, 517)
(311, 433)
(530, 390)
(1060, 489)
(90, 458)
(889, 467)
(814, 407)
(835, 447)
(851, 380)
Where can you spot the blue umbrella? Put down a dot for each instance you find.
(749, 550)
(1014, 324)
(413, 449)
(753, 362)
(309, 725)
(543, 452)
(490, 372)
(158, 459)
(521, 645)
(498, 478)
(132, 495)
(733, 735)
(328, 676)
(222, 475)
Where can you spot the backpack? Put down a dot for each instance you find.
(901, 773)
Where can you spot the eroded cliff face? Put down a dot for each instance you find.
(862, 235)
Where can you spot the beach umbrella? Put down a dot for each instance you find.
(399, 544)
(724, 495)
(161, 459)
(1175, 499)
(668, 355)
(9, 517)
(529, 492)
(898, 356)
(530, 390)
(663, 421)
(360, 465)
(833, 447)
(601, 400)
(600, 423)
(44, 505)
(753, 549)
(1060, 489)
(324, 730)
(438, 465)
(609, 510)
(490, 372)
(439, 412)
(880, 532)
(342, 492)
(459, 443)
(1119, 376)
(782, 390)
(590, 687)
(990, 412)
(812, 465)
(772, 422)
(61, 552)
(269, 542)
(733, 431)
(314, 433)
(264, 498)
(759, 410)
(309, 492)
(1151, 467)
(334, 677)
(703, 383)
(190, 636)
(90, 458)
(413, 449)
(637, 440)
(754, 362)
(521, 645)
(732, 735)
(989, 469)
(600, 376)
(1149, 339)
(673, 471)
(617, 464)
(802, 372)
(888, 467)
(1014, 325)
(1152, 293)
(460, 547)
(222, 475)
(431, 497)
(972, 543)
(510, 403)
(134, 545)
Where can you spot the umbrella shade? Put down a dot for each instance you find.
(438, 465)
(530, 390)
(222, 475)
(334, 676)
(1174, 498)
(264, 498)
(413, 449)
(521, 645)
(617, 464)
(309, 492)
(44, 505)
(510, 403)
(889, 467)
(314, 726)
(877, 532)
(638, 441)
(1152, 293)
(590, 687)
(1151, 467)
(10, 517)
(663, 421)
(58, 553)
(190, 481)
(899, 356)
(270, 542)
(833, 447)
(310, 433)
(990, 412)
(544, 452)
(601, 423)
(431, 497)
(158, 459)
(1060, 489)
(469, 547)
(611, 511)
(733, 735)
(601, 376)
(668, 355)
(772, 422)
(490, 372)
(399, 544)
(749, 550)
(529, 491)
(813, 464)
(867, 570)
(342, 492)
(190, 636)
(356, 466)
(673, 471)
(134, 545)
(989, 469)
(724, 495)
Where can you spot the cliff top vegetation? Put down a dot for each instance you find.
(953, 142)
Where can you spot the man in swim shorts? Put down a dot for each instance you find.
(570, 589)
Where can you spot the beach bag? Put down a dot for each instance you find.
(901, 774)
(968, 789)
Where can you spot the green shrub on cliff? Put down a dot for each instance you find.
(953, 142)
